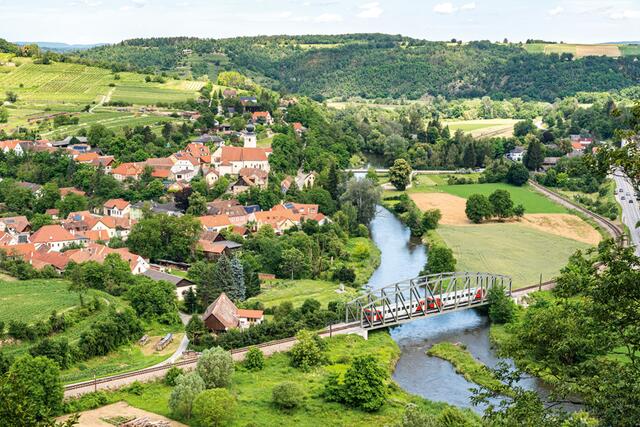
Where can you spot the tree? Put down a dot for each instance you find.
(287, 395)
(30, 392)
(333, 181)
(400, 174)
(535, 156)
(478, 208)
(238, 293)
(502, 309)
(364, 195)
(365, 384)
(223, 276)
(40, 220)
(154, 300)
(254, 359)
(294, 263)
(502, 205)
(430, 219)
(518, 174)
(165, 237)
(196, 330)
(215, 367)
(188, 387)
(72, 203)
(11, 97)
(4, 115)
(197, 204)
(308, 351)
(215, 407)
(79, 283)
(202, 273)
(440, 260)
(524, 128)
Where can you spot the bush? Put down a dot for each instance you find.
(345, 274)
(365, 384)
(183, 395)
(501, 309)
(287, 395)
(308, 351)
(430, 219)
(172, 375)
(86, 402)
(215, 367)
(254, 360)
(57, 350)
(518, 174)
(440, 259)
(214, 407)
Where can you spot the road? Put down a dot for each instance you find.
(630, 209)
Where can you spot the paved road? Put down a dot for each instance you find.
(630, 211)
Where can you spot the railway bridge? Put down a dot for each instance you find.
(423, 296)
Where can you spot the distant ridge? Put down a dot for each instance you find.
(61, 47)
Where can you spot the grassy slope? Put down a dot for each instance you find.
(511, 249)
(297, 291)
(34, 300)
(467, 365)
(253, 389)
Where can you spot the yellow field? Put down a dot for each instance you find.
(578, 50)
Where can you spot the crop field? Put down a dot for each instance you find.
(532, 201)
(582, 50)
(63, 82)
(483, 128)
(512, 249)
(111, 120)
(34, 300)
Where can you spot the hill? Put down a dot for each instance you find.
(60, 47)
(7, 47)
(382, 66)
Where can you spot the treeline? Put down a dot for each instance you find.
(381, 66)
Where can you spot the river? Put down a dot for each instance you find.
(430, 377)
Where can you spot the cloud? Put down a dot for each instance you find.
(370, 10)
(556, 11)
(625, 14)
(139, 3)
(445, 8)
(448, 8)
(328, 17)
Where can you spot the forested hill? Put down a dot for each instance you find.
(6, 47)
(377, 66)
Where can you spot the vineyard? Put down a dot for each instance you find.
(75, 83)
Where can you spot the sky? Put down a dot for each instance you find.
(110, 21)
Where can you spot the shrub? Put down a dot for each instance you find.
(57, 350)
(287, 395)
(215, 367)
(501, 309)
(518, 174)
(254, 360)
(344, 274)
(188, 387)
(440, 259)
(365, 384)
(452, 417)
(172, 375)
(214, 407)
(430, 219)
(308, 351)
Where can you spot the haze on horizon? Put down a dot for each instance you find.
(105, 21)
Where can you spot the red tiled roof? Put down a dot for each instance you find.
(69, 190)
(87, 157)
(116, 203)
(240, 154)
(250, 314)
(128, 169)
(214, 221)
(51, 233)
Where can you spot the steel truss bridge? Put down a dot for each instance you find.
(423, 296)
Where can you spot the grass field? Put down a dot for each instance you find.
(582, 50)
(33, 300)
(253, 390)
(512, 249)
(297, 291)
(483, 128)
(532, 201)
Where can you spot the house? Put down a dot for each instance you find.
(198, 151)
(578, 147)
(97, 252)
(215, 222)
(137, 209)
(229, 160)
(276, 220)
(249, 103)
(87, 158)
(517, 154)
(223, 315)
(118, 208)
(15, 146)
(36, 189)
(214, 249)
(15, 224)
(237, 213)
(302, 180)
(299, 129)
(214, 140)
(250, 177)
(65, 191)
(212, 176)
(549, 162)
(229, 93)
(262, 117)
(127, 171)
(182, 284)
(55, 238)
(53, 213)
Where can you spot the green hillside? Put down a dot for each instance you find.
(385, 66)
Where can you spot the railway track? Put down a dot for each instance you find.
(187, 363)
